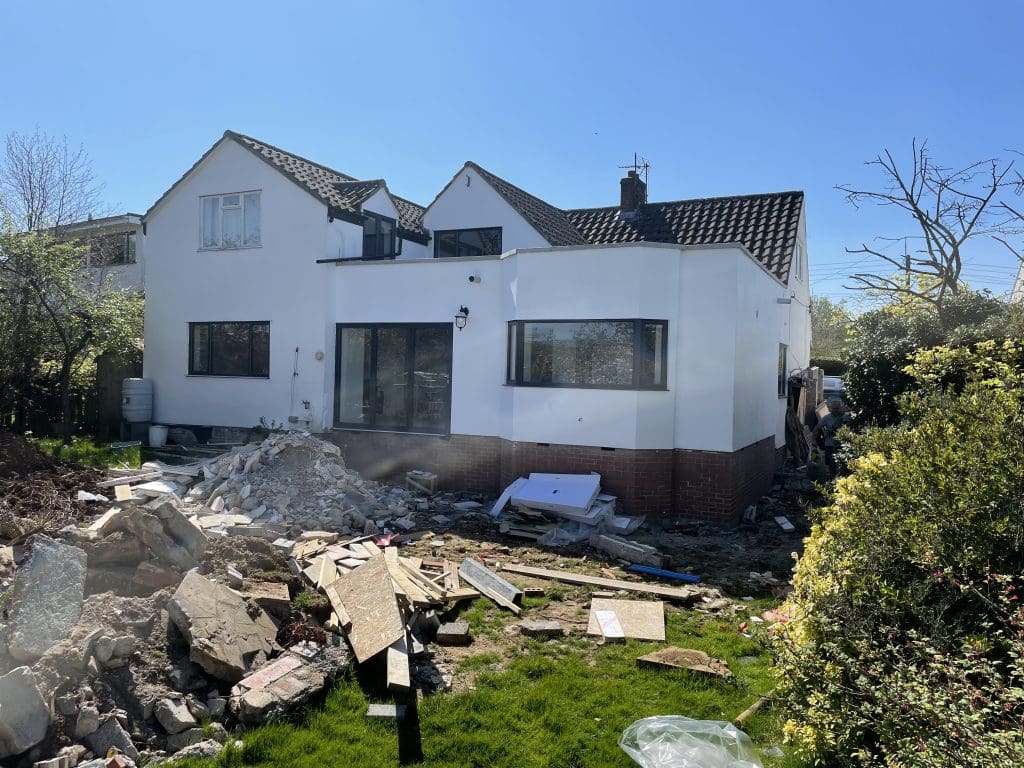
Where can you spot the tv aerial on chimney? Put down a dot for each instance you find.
(640, 166)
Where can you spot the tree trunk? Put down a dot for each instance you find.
(67, 427)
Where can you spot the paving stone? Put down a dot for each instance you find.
(48, 592)
(541, 628)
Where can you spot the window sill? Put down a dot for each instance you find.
(232, 248)
(584, 386)
(225, 376)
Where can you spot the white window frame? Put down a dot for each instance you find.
(798, 257)
(240, 207)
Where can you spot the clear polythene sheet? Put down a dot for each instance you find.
(674, 741)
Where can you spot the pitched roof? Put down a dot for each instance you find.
(767, 225)
(339, 191)
(551, 222)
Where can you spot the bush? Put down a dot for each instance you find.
(883, 340)
(907, 641)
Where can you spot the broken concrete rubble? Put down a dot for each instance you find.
(46, 598)
(222, 638)
(24, 716)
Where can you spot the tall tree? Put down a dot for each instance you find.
(949, 206)
(73, 314)
(830, 322)
(44, 182)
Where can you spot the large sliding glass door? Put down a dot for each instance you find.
(394, 377)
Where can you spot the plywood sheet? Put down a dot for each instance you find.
(640, 619)
(369, 600)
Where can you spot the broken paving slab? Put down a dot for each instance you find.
(46, 598)
(222, 638)
(24, 716)
(685, 658)
(541, 628)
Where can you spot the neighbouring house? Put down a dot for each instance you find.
(1017, 292)
(486, 335)
(115, 248)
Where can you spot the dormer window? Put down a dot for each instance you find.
(378, 237)
(231, 221)
(485, 241)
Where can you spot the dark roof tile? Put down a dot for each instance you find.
(767, 225)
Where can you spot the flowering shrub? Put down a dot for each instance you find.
(906, 647)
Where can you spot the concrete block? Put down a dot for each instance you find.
(47, 594)
(24, 716)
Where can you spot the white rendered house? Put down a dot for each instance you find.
(487, 335)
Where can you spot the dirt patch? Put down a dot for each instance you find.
(19, 457)
(254, 557)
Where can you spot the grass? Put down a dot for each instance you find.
(559, 704)
(89, 452)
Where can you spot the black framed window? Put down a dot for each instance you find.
(590, 354)
(229, 349)
(483, 241)
(391, 376)
(378, 237)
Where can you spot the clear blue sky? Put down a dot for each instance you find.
(722, 98)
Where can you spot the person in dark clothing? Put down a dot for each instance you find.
(824, 434)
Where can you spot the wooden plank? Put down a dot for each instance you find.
(369, 599)
(640, 619)
(683, 595)
(412, 563)
(451, 575)
(131, 479)
(409, 588)
(399, 678)
(340, 615)
(371, 549)
(490, 583)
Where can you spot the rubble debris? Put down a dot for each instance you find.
(491, 585)
(685, 595)
(111, 735)
(685, 658)
(46, 599)
(174, 715)
(631, 551)
(639, 619)
(222, 638)
(454, 633)
(784, 523)
(545, 628)
(207, 749)
(24, 716)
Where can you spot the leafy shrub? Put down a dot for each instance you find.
(882, 342)
(907, 644)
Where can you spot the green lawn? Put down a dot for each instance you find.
(558, 704)
(90, 453)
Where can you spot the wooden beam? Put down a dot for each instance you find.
(683, 595)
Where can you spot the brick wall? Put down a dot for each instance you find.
(699, 484)
(718, 486)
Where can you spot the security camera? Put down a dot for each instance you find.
(475, 279)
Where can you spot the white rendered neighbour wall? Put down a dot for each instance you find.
(278, 282)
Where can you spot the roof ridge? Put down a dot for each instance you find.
(237, 135)
(747, 196)
(480, 168)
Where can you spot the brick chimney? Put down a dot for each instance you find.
(634, 194)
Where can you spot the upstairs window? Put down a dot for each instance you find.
(378, 237)
(467, 242)
(231, 221)
(229, 349)
(798, 262)
(588, 354)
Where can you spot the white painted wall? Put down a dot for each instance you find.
(800, 308)
(697, 290)
(462, 206)
(278, 282)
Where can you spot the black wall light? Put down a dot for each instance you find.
(462, 317)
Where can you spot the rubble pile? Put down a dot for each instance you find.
(226, 593)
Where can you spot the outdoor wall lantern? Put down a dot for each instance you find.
(462, 317)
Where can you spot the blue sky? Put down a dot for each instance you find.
(722, 98)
